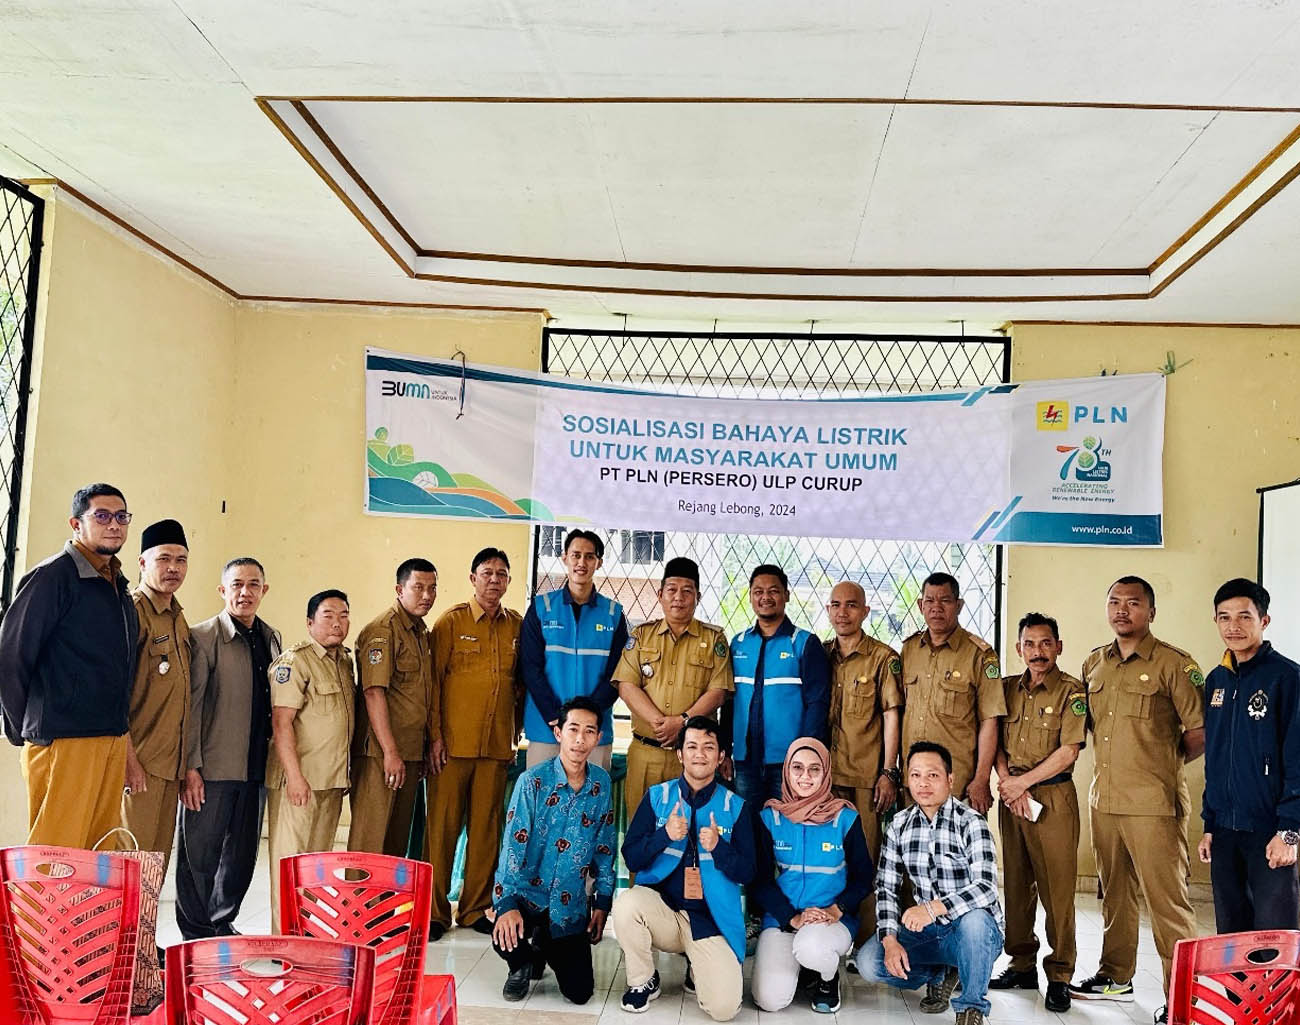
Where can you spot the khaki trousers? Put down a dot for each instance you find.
(537, 752)
(74, 790)
(647, 766)
(468, 793)
(381, 816)
(293, 830)
(151, 816)
(1040, 862)
(864, 799)
(643, 923)
(1149, 851)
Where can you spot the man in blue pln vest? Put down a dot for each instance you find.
(692, 845)
(570, 644)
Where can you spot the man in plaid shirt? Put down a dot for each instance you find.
(955, 930)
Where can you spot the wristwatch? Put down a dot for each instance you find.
(1289, 836)
(894, 775)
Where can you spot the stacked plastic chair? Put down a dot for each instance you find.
(260, 980)
(381, 903)
(1244, 978)
(68, 924)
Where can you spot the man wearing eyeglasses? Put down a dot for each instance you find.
(953, 695)
(67, 660)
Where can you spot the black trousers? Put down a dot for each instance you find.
(216, 851)
(568, 956)
(1249, 895)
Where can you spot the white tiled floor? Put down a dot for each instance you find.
(480, 974)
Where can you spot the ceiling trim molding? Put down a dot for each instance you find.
(296, 121)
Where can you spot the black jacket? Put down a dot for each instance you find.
(67, 653)
(1252, 744)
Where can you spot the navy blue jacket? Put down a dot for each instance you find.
(1252, 744)
(67, 653)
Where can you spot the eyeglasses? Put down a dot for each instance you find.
(103, 517)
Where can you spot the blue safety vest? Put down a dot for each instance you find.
(810, 864)
(721, 894)
(782, 691)
(576, 656)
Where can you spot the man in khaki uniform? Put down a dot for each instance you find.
(953, 691)
(477, 710)
(1041, 737)
(312, 695)
(866, 697)
(672, 669)
(160, 698)
(393, 719)
(1146, 708)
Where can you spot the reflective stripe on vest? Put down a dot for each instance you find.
(575, 658)
(782, 706)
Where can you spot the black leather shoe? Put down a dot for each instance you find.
(436, 931)
(1012, 979)
(518, 984)
(482, 926)
(1058, 997)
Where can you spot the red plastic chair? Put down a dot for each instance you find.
(257, 980)
(379, 902)
(1244, 978)
(68, 921)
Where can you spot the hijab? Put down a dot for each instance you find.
(818, 807)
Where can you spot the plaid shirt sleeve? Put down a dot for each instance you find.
(888, 879)
(982, 889)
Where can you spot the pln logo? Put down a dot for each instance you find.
(1053, 416)
(1087, 459)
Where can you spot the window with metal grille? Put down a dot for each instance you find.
(20, 256)
(783, 366)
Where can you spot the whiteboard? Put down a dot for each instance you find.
(1279, 563)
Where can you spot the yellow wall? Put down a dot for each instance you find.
(300, 456)
(1232, 425)
(131, 385)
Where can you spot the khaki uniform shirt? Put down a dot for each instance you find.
(1139, 708)
(948, 692)
(478, 692)
(393, 653)
(1042, 719)
(864, 685)
(160, 698)
(674, 671)
(322, 688)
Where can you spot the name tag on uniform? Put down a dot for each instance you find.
(692, 885)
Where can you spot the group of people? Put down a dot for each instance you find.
(761, 771)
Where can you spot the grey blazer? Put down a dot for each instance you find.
(221, 697)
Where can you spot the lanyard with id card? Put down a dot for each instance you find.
(692, 884)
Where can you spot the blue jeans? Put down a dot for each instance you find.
(972, 943)
(757, 783)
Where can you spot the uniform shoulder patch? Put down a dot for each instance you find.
(1079, 705)
(1194, 676)
(896, 666)
(631, 642)
(720, 648)
(992, 671)
(282, 673)
(375, 655)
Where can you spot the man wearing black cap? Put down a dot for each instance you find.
(672, 669)
(160, 698)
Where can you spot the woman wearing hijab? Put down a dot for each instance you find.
(822, 872)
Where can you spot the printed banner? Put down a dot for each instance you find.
(1071, 462)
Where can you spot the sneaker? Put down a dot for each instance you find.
(826, 995)
(1162, 1015)
(938, 993)
(518, 983)
(970, 1016)
(1012, 979)
(1102, 987)
(637, 998)
(851, 965)
(752, 928)
(808, 980)
(688, 983)
(1058, 997)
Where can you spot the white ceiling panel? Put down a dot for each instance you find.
(1173, 51)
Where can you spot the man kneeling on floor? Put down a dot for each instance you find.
(691, 844)
(947, 852)
(559, 833)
